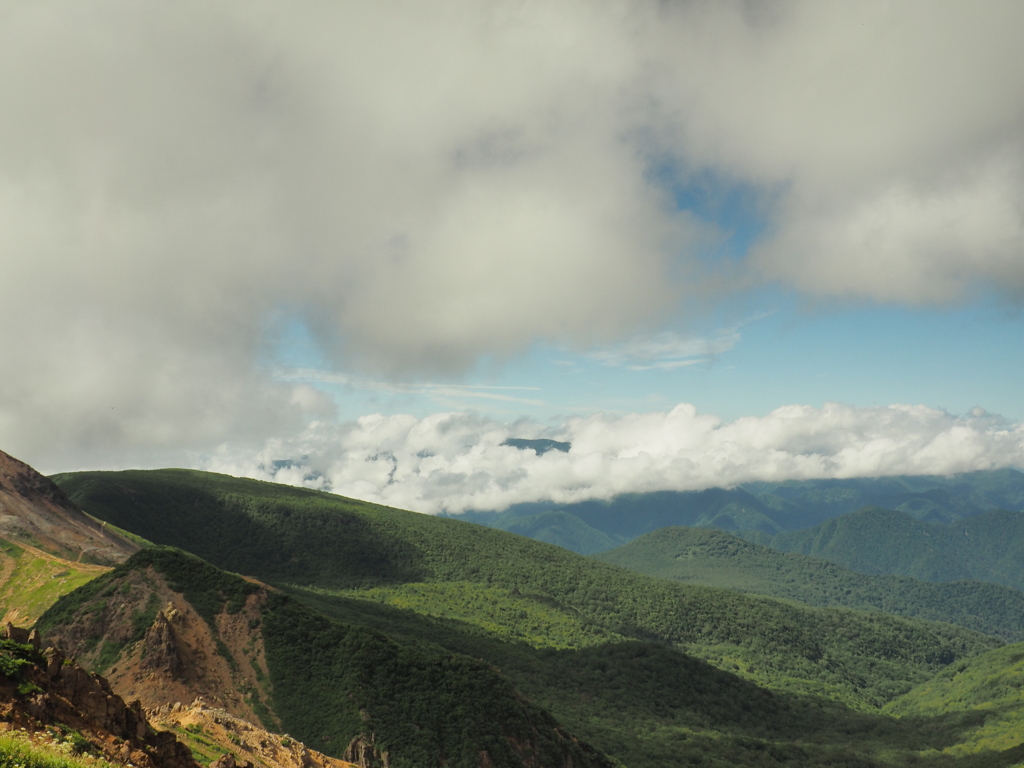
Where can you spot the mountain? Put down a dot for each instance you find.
(719, 559)
(418, 697)
(558, 528)
(31, 580)
(415, 635)
(800, 504)
(295, 537)
(768, 508)
(630, 515)
(988, 547)
(47, 545)
(166, 624)
(36, 512)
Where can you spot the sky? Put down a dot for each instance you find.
(357, 246)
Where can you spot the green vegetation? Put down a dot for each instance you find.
(558, 528)
(333, 682)
(988, 547)
(204, 751)
(990, 686)
(532, 619)
(292, 535)
(442, 638)
(649, 705)
(14, 657)
(718, 559)
(425, 706)
(32, 581)
(17, 751)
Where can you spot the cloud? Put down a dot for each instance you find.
(438, 391)
(424, 185)
(452, 462)
(666, 351)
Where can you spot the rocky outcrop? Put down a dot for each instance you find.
(229, 761)
(365, 754)
(162, 653)
(50, 689)
(213, 728)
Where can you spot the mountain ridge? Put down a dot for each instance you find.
(35, 511)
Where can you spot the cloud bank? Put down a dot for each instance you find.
(454, 462)
(424, 184)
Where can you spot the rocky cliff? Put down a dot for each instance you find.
(44, 689)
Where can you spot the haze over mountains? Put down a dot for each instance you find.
(768, 508)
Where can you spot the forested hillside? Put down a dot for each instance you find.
(296, 536)
(325, 682)
(649, 671)
(984, 691)
(719, 559)
(988, 547)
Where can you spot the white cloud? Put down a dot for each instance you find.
(427, 184)
(456, 461)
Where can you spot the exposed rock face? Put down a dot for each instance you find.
(180, 657)
(162, 651)
(34, 510)
(228, 761)
(365, 754)
(65, 693)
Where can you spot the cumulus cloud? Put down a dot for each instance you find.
(455, 461)
(427, 184)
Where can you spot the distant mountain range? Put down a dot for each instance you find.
(768, 508)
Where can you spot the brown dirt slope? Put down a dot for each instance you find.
(152, 645)
(34, 511)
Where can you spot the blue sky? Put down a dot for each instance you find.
(784, 352)
(368, 243)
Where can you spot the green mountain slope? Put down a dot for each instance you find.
(411, 689)
(296, 536)
(989, 688)
(719, 559)
(331, 683)
(988, 547)
(558, 528)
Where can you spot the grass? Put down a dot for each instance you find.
(35, 581)
(18, 751)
